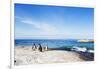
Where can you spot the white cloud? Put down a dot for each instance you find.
(40, 30)
(44, 28)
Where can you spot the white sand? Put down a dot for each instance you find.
(25, 55)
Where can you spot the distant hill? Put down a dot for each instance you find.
(85, 40)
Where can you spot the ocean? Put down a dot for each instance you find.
(54, 43)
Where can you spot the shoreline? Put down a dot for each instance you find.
(25, 55)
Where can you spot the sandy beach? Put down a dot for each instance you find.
(25, 55)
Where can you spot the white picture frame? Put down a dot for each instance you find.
(73, 3)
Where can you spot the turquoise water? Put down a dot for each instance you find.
(54, 43)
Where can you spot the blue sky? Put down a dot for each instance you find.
(53, 22)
